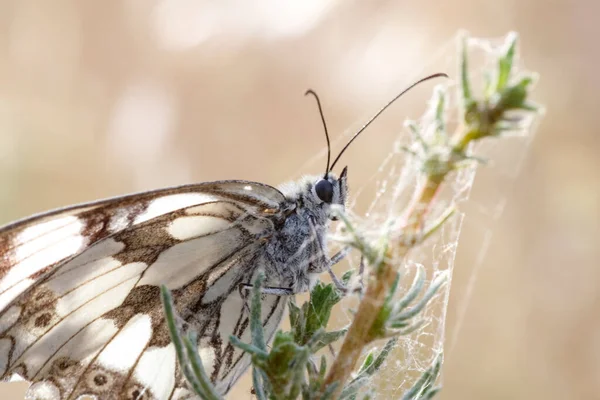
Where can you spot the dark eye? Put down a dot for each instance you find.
(324, 190)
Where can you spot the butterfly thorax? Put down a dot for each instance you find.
(298, 251)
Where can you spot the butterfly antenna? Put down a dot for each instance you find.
(382, 109)
(327, 169)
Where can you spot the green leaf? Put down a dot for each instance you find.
(208, 390)
(297, 320)
(317, 310)
(465, 85)
(256, 328)
(328, 393)
(530, 106)
(187, 352)
(440, 104)
(327, 338)
(381, 357)
(469, 103)
(416, 132)
(433, 288)
(367, 362)
(247, 347)
(488, 84)
(505, 63)
(513, 97)
(373, 255)
(347, 276)
(369, 367)
(423, 389)
(394, 327)
(351, 390)
(414, 290)
(323, 367)
(258, 386)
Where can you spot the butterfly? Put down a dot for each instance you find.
(80, 305)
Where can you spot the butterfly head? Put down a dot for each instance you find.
(330, 190)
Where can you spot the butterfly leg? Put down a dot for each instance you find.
(280, 291)
(337, 257)
(244, 288)
(340, 255)
(277, 291)
(330, 262)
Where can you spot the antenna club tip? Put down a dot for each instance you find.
(436, 75)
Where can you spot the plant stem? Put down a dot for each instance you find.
(358, 335)
(382, 279)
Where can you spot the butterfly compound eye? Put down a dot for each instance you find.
(324, 190)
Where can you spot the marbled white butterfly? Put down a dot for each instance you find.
(80, 305)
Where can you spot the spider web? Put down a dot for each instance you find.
(390, 189)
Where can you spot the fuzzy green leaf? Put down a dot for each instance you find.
(318, 310)
(256, 328)
(423, 389)
(327, 338)
(187, 355)
(505, 63)
(433, 288)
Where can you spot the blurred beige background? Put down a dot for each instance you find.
(105, 98)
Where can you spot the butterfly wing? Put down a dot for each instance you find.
(79, 288)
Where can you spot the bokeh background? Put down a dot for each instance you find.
(105, 98)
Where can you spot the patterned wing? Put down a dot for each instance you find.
(79, 289)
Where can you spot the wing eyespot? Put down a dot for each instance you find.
(99, 381)
(64, 366)
(137, 392)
